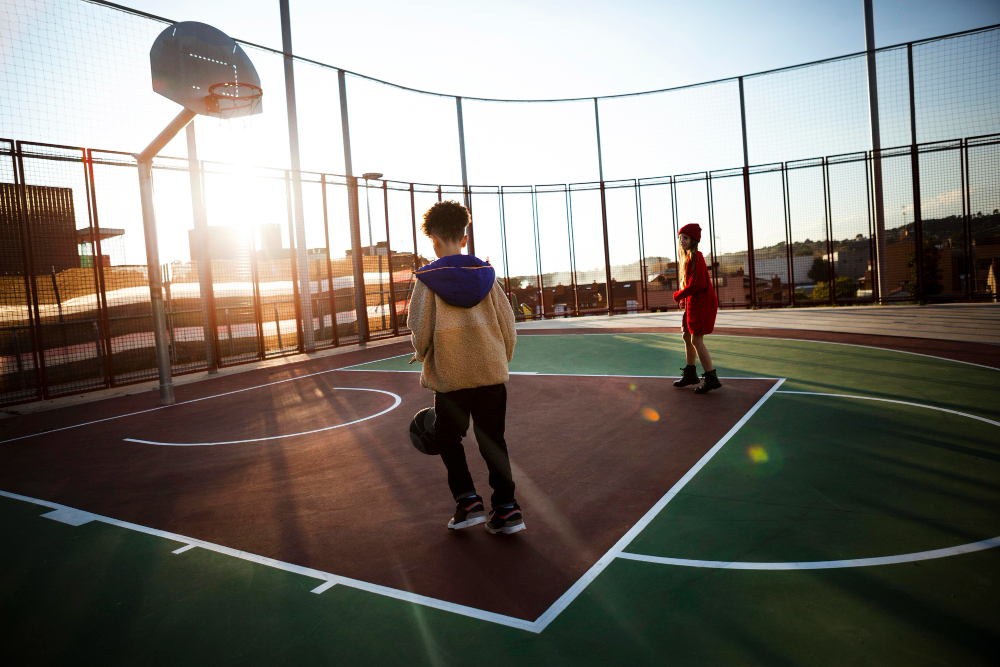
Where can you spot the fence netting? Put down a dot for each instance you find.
(576, 203)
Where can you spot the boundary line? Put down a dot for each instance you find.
(820, 564)
(329, 579)
(287, 435)
(193, 400)
(794, 340)
(552, 612)
(835, 564)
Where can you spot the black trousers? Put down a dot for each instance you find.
(488, 408)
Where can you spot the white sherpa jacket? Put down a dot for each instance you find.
(460, 346)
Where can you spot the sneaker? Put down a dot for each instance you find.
(470, 512)
(505, 520)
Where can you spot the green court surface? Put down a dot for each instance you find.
(720, 576)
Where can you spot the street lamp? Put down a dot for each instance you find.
(371, 245)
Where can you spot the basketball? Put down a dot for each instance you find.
(422, 432)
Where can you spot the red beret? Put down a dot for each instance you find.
(692, 230)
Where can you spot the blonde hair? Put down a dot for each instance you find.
(686, 256)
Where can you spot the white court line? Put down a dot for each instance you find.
(833, 564)
(385, 591)
(186, 547)
(578, 375)
(324, 587)
(550, 614)
(535, 626)
(820, 564)
(891, 400)
(193, 400)
(398, 400)
(795, 340)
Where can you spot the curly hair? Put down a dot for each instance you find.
(446, 219)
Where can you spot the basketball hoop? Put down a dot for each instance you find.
(232, 100)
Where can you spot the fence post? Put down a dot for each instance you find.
(604, 212)
(677, 254)
(465, 176)
(641, 288)
(827, 214)
(918, 223)
(107, 370)
(711, 232)
(388, 255)
(300, 313)
(789, 257)
(876, 146)
(206, 291)
(307, 339)
(357, 260)
(572, 249)
(329, 270)
(967, 221)
(30, 279)
(751, 267)
(258, 306)
(538, 252)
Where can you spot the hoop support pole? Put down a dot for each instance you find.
(145, 160)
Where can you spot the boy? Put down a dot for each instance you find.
(463, 332)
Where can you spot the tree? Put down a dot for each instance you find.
(819, 272)
(932, 270)
(843, 286)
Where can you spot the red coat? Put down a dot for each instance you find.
(698, 298)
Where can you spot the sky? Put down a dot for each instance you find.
(77, 74)
(556, 49)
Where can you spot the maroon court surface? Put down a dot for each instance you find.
(591, 456)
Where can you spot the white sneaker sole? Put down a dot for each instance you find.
(471, 521)
(506, 530)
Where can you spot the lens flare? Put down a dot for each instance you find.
(649, 414)
(757, 454)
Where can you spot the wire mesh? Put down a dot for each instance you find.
(729, 238)
(659, 236)
(19, 372)
(522, 142)
(851, 235)
(771, 251)
(942, 220)
(957, 85)
(899, 282)
(518, 210)
(807, 215)
(558, 283)
(982, 165)
(690, 129)
(628, 269)
(61, 264)
(588, 248)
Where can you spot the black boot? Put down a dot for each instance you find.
(711, 382)
(690, 376)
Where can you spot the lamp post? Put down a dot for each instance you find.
(371, 246)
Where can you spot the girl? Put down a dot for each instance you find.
(697, 298)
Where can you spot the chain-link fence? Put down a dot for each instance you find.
(777, 167)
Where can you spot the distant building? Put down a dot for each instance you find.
(223, 243)
(51, 221)
(270, 242)
(778, 266)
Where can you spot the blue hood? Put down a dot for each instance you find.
(461, 280)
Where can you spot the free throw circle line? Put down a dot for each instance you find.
(821, 564)
(397, 401)
(835, 564)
